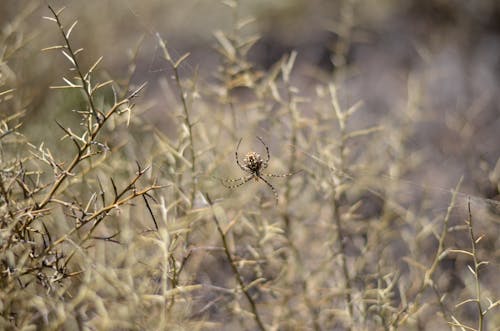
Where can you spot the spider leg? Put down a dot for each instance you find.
(237, 158)
(281, 175)
(266, 162)
(272, 188)
(228, 180)
(244, 180)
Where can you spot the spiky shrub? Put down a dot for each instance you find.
(55, 207)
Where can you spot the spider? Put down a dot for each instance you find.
(253, 164)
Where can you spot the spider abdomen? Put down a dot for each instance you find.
(253, 162)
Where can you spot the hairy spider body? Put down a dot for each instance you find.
(253, 164)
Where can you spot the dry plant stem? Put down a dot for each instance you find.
(340, 51)
(340, 238)
(190, 130)
(427, 281)
(477, 265)
(341, 118)
(293, 156)
(185, 109)
(294, 119)
(85, 83)
(442, 237)
(342, 248)
(236, 272)
(444, 310)
(292, 114)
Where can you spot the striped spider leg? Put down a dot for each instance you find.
(253, 164)
(243, 180)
